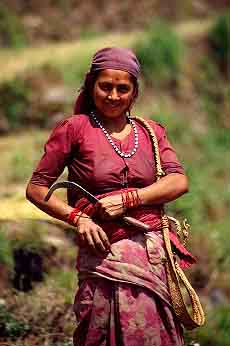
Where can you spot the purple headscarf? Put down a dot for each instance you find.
(114, 58)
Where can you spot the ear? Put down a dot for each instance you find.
(134, 96)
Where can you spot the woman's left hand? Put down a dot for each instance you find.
(110, 207)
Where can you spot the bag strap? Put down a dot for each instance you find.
(175, 274)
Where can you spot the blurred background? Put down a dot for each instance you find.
(45, 49)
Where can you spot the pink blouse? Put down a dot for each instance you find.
(78, 143)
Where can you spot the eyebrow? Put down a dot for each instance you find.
(109, 82)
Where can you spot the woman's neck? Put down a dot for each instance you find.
(114, 125)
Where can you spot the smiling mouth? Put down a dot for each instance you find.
(113, 105)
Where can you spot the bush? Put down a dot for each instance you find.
(11, 30)
(219, 38)
(216, 331)
(6, 256)
(160, 53)
(9, 326)
(14, 101)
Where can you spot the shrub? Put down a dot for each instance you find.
(14, 101)
(6, 256)
(11, 30)
(160, 53)
(219, 38)
(9, 326)
(216, 331)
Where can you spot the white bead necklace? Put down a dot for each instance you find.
(115, 147)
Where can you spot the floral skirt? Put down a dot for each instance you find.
(111, 313)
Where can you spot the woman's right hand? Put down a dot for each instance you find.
(92, 236)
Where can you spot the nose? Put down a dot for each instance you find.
(114, 96)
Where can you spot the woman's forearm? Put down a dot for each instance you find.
(55, 207)
(164, 190)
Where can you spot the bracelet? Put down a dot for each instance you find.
(130, 199)
(71, 219)
(72, 215)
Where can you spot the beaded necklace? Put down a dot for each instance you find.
(115, 147)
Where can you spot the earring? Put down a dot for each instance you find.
(128, 113)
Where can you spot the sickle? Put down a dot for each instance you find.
(91, 198)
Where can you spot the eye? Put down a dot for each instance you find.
(105, 86)
(123, 88)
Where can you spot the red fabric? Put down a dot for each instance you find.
(186, 258)
(92, 162)
(118, 231)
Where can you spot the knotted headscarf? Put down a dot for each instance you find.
(107, 58)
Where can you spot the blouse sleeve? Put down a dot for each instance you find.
(169, 160)
(57, 154)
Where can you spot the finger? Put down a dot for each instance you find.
(97, 241)
(81, 241)
(90, 241)
(92, 244)
(104, 239)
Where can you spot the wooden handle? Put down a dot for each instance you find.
(136, 223)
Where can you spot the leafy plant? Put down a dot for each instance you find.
(11, 30)
(160, 52)
(214, 93)
(6, 256)
(216, 331)
(219, 38)
(14, 101)
(9, 326)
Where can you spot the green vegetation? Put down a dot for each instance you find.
(65, 282)
(20, 93)
(160, 52)
(6, 257)
(20, 167)
(9, 326)
(217, 328)
(11, 29)
(214, 93)
(219, 38)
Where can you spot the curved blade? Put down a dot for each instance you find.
(70, 185)
(91, 198)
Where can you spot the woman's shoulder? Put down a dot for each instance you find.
(157, 127)
(74, 122)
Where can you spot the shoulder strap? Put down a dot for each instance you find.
(175, 274)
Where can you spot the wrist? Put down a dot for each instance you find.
(75, 215)
(141, 195)
(130, 199)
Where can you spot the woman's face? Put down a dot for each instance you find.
(113, 93)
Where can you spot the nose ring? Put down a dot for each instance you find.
(109, 97)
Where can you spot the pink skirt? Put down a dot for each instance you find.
(113, 313)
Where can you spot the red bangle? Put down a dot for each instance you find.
(130, 199)
(72, 215)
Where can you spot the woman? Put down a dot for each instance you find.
(123, 296)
